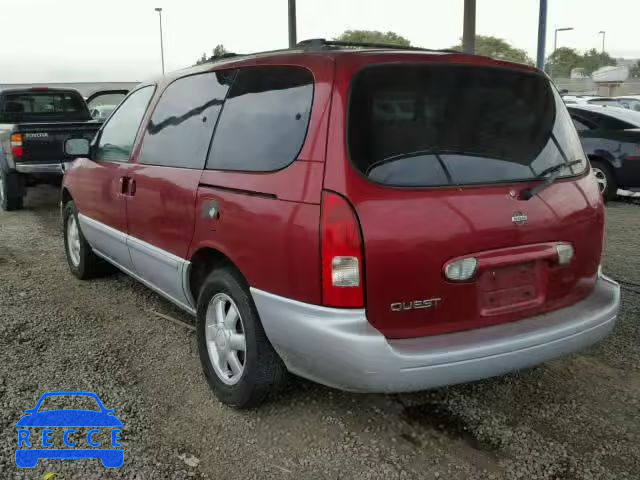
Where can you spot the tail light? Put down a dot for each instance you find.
(16, 145)
(341, 243)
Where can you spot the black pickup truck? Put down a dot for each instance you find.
(34, 124)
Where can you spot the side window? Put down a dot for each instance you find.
(580, 125)
(119, 133)
(180, 129)
(264, 120)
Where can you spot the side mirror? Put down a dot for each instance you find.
(77, 147)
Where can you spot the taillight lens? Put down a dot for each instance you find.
(342, 266)
(16, 145)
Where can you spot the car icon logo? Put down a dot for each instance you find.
(103, 427)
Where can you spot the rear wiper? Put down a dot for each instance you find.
(553, 174)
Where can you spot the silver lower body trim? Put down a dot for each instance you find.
(339, 348)
(190, 310)
(39, 168)
(159, 270)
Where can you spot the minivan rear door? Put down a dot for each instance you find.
(436, 159)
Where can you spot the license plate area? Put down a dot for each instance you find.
(510, 288)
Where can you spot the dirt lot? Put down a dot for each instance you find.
(575, 418)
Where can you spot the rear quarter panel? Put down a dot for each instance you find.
(269, 222)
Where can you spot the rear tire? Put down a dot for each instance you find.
(240, 379)
(606, 181)
(83, 263)
(11, 188)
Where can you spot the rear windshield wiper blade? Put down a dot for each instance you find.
(549, 175)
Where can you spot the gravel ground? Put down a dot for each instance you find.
(574, 418)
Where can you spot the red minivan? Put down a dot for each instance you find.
(374, 219)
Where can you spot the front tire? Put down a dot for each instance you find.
(240, 364)
(606, 181)
(11, 187)
(83, 263)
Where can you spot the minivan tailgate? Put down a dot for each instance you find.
(518, 272)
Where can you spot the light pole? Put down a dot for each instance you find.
(603, 33)
(542, 34)
(469, 27)
(292, 24)
(159, 10)
(555, 40)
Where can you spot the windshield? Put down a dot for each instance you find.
(43, 106)
(64, 402)
(440, 125)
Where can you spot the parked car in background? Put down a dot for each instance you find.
(102, 112)
(591, 100)
(632, 102)
(373, 219)
(34, 123)
(611, 139)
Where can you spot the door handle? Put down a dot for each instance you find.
(124, 185)
(132, 187)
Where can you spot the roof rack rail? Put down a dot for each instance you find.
(320, 43)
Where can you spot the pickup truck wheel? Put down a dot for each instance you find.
(83, 263)
(240, 364)
(606, 181)
(9, 184)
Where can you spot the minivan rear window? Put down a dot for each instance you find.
(437, 125)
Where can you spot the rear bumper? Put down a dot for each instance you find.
(339, 348)
(31, 168)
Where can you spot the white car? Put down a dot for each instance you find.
(591, 100)
(617, 112)
(102, 112)
(632, 102)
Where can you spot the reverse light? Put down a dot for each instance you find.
(345, 272)
(565, 253)
(341, 244)
(461, 270)
(16, 145)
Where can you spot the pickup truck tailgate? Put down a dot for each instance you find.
(44, 143)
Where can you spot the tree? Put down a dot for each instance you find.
(498, 48)
(592, 60)
(562, 61)
(634, 70)
(373, 36)
(218, 52)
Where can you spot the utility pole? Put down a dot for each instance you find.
(292, 24)
(542, 34)
(159, 10)
(603, 33)
(469, 27)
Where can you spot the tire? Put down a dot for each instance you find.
(10, 184)
(261, 369)
(83, 263)
(606, 181)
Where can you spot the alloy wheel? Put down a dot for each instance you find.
(601, 178)
(225, 337)
(73, 241)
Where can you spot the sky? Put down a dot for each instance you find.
(118, 40)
